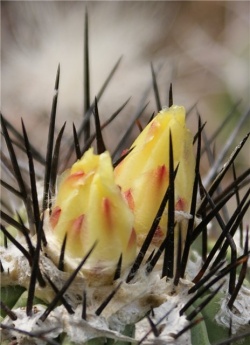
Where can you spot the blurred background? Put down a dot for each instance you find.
(202, 47)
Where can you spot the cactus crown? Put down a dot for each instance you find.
(117, 250)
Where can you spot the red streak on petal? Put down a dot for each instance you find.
(132, 239)
(130, 200)
(152, 129)
(77, 224)
(54, 218)
(161, 174)
(106, 206)
(75, 176)
(180, 205)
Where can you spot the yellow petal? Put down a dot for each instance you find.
(90, 207)
(143, 174)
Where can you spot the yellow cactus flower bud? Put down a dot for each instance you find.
(144, 175)
(90, 207)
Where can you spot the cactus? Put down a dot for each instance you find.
(118, 251)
